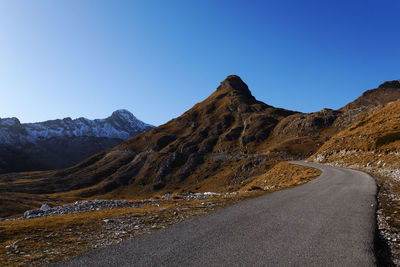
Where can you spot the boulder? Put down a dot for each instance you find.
(33, 213)
(45, 207)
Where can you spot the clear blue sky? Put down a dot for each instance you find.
(158, 58)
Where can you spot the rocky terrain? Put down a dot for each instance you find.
(50, 234)
(103, 204)
(41, 241)
(62, 143)
(385, 93)
(373, 145)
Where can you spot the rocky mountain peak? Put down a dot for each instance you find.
(123, 114)
(67, 119)
(235, 84)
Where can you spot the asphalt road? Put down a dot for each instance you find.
(329, 221)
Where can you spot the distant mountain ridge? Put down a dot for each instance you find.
(122, 124)
(61, 143)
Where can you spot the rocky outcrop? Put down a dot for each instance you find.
(386, 92)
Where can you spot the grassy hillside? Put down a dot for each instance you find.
(373, 145)
(283, 175)
(373, 142)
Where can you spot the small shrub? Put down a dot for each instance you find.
(254, 188)
(387, 139)
(361, 123)
(176, 196)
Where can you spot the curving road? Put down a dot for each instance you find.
(329, 221)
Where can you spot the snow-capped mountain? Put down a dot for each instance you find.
(59, 143)
(121, 125)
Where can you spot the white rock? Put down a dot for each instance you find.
(45, 207)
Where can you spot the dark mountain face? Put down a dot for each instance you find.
(62, 143)
(52, 153)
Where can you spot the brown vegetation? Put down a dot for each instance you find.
(385, 93)
(373, 145)
(50, 239)
(38, 242)
(283, 175)
(375, 137)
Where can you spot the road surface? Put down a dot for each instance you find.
(329, 221)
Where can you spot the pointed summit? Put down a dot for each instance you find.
(235, 84)
(123, 114)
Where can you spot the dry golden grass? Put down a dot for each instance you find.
(373, 145)
(370, 133)
(44, 240)
(37, 237)
(283, 175)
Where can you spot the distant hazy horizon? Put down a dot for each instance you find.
(158, 58)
